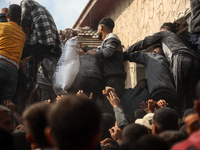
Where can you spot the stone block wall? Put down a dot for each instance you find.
(135, 19)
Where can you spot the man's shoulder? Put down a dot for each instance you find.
(112, 36)
(16, 28)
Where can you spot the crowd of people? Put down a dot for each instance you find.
(161, 112)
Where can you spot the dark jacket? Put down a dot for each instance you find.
(90, 67)
(111, 55)
(171, 44)
(194, 19)
(157, 71)
(3, 17)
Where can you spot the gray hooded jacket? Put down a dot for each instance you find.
(111, 55)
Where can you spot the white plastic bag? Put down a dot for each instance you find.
(67, 67)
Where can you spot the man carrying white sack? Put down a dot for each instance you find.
(111, 56)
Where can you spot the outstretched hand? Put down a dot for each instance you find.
(106, 142)
(116, 133)
(59, 98)
(162, 103)
(10, 105)
(113, 99)
(82, 94)
(152, 105)
(192, 123)
(144, 106)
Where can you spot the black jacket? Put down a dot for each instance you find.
(157, 71)
(194, 19)
(171, 44)
(111, 56)
(3, 17)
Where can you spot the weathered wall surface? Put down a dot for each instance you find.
(135, 19)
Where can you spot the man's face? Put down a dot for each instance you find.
(99, 32)
(153, 128)
(6, 122)
(159, 51)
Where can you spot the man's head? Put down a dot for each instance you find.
(164, 119)
(6, 140)
(75, 123)
(133, 132)
(151, 142)
(35, 120)
(172, 137)
(158, 49)
(14, 13)
(105, 26)
(6, 122)
(173, 27)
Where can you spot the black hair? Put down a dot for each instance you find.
(188, 112)
(133, 132)
(183, 130)
(14, 12)
(6, 140)
(20, 141)
(35, 119)
(108, 121)
(110, 147)
(172, 137)
(151, 142)
(166, 118)
(108, 22)
(74, 122)
(173, 27)
(139, 113)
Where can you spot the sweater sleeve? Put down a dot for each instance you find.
(109, 49)
(138, 57)
(120, 117)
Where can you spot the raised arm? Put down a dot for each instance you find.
(137, 57)
(148, 41)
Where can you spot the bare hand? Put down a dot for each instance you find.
(47, 101)
(144, 106)
(152, 105)
(91, 52)
(113, 99)
(162, 103)
(4, 10)
(20, 127)
(82, 94)
(192, 123)
(107, 90)
(59, 98)
(106, 142)
(116, 133)
(10, 105)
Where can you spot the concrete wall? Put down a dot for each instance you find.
(135, 19)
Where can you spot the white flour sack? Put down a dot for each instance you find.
(67, 67)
